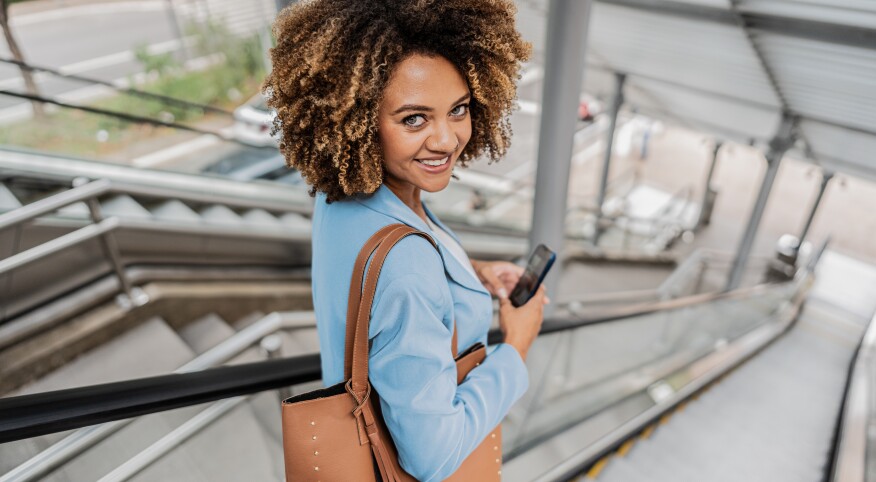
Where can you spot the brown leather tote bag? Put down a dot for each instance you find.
(338, 433)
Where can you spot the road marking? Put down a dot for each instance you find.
(24, 110)
(163, 156)
(95, 63)
(96, 9)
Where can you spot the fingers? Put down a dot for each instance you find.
(495, 283)
(540, 295)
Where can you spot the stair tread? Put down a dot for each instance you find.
(206, 332)
(175, 210)
(124, 206)
(217, 213)
(8, 201)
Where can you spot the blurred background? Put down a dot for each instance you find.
(716, 232)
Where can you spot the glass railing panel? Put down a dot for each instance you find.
(577, 374)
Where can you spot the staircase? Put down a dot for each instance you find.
(251, 441)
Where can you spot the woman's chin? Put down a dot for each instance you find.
(435, 185)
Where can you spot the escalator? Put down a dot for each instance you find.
(764, 405)
(602, 373)
(639, 359)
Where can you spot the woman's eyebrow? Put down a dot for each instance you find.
(423, 108)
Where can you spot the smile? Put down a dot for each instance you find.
(434, 163)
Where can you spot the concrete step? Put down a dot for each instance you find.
(210, 330)
(206, 332)
(152, 348)
(234, 448)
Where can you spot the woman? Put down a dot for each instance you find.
(376, 102)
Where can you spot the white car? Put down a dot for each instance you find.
(252, 122)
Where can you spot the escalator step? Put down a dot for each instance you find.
(175, 210)
(77, 210)
(124, 206)
(260, 217)
(219, 214)
(8, 201)
(295, 221)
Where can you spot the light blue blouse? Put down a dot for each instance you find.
(434, 423)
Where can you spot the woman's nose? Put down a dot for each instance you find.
(443, 139)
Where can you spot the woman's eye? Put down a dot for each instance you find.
(459, 110)
(411, 120)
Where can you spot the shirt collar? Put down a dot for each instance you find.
(384, 201)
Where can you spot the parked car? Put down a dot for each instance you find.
(252, 122)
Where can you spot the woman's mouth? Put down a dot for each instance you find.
(434, 166)
(434, 162)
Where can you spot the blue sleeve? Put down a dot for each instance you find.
(434, 423)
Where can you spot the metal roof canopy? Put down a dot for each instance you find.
(733, 67)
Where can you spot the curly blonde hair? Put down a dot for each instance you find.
(334, 57)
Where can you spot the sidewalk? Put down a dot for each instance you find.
(38, 6)
(680, 157)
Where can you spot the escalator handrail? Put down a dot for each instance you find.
(27, 416)
(847, 461)
(156, 183)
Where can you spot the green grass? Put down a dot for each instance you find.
(75, 133)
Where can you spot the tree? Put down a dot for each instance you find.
(26, 74)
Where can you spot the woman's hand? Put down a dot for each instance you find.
(498, 277)
(521, 325)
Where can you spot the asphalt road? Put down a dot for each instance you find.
(95, 41)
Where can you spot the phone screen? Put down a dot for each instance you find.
(539, 263)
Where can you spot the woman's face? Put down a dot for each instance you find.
(423, 123)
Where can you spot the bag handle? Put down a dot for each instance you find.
(356, 291)
(359, 314)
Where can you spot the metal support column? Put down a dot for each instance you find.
(564, 71)
(826, 176)
(781, 142)
(709, 194)
(618, 101)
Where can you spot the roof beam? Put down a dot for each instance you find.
(850, 35)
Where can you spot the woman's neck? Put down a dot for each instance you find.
(408, 194)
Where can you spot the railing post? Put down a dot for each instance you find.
(781, 142)
(825, 180)
(564, 71)
(132, 296)
(616, 105)
(272, 346)
(709, 194)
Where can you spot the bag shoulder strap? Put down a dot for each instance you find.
(360, 301)
(355, 294)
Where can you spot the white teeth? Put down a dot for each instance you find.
(439, 162)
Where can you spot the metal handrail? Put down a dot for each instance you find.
(53, 203)
(159, 184)
(848, 461)
(43, 463)
(103, 229)
(76, 443)
(42, 413)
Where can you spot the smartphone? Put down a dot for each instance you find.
(536, 269)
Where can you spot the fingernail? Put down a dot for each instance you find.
(503, 293)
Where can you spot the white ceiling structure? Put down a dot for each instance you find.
(733, 67)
